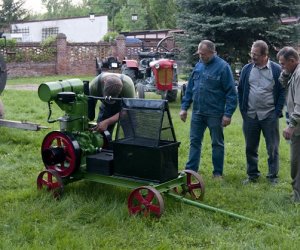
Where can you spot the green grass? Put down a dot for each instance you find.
(94, 216)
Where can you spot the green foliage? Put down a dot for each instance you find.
(110, 36)
(11, 11)
(10, 43)
(154, 14)
(235, 25)
(92, 215)
(63, 8)
(49, 41)
(46, 54)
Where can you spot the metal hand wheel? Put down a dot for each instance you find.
(145, 200)
(52, 181)
(194, 185)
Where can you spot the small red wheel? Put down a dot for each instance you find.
(195, 184)
(60, 153)
(146, 200)
(52, 181)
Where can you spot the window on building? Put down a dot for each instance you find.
(19, 34)
(17, 30)
(50, 31)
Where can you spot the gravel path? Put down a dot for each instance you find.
(31, 87)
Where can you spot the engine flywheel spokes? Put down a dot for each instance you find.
(147, 201)
(60, 153)
(195, 184)
(50, 180)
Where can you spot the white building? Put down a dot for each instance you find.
(77, 29)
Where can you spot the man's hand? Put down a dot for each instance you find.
(101, 126)
(226, 121)
(288, 132)
(183, 115)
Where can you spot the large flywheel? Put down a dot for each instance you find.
(60, 152)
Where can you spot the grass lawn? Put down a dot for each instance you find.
(94, 216)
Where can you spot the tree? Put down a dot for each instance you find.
(11, 11)
(234, 25)
(152, 14)
(162, 14)
(63, 8)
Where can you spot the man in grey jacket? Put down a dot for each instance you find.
(290, 63)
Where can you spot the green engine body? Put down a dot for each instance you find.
(71, 96)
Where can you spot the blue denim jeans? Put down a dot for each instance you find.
(252, 129)
(199, 123)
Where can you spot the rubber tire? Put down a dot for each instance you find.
(3, 73)
(140, 91)
(172, 94)
(1, 110)
(129, 72)
(182, 92)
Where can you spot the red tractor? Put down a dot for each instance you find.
(154, 71)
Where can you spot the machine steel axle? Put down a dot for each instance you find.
(214, 209)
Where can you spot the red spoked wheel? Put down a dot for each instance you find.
(195, 184)
(60, 152)
(52, 181)
(147, 201)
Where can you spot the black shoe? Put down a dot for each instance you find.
(273, 181)
(250, 180)
(218, 177)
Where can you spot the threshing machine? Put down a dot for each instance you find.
(143, 156)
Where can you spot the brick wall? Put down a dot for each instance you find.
(69, 58)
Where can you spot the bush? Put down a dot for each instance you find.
(45, 54)
(110, 36)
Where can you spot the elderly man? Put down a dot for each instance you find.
(211, 88)
(290, 63)
(110, 85)
(261, 100)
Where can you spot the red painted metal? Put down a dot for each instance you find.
(195, 184)
(131, 63)
(145, 200)
(51, 180)
(58, 139)
(163, 74)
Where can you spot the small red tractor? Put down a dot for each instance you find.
(155, 71)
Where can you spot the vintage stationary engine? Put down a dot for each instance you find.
(66, 150)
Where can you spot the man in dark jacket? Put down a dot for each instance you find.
(261, 99)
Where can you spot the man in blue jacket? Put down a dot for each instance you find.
(211, 89)
(261, 99)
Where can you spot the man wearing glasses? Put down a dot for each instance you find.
(261, 99)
